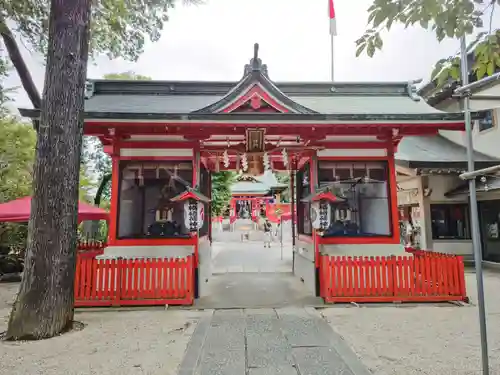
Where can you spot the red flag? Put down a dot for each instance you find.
(333, 20)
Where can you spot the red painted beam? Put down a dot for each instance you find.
(158, 144)
(350, 145)
(275, 128)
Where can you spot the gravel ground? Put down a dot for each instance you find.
(143, 342)
(423, 339)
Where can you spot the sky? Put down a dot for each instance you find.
(214, 40)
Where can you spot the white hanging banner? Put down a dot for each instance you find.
(321, 215)
(192, 214)
(201, 214)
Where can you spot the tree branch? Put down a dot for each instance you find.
(98, 196)
(21, 68)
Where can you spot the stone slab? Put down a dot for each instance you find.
(320, 361)
(273, 370)
(222, 362)
(301, 329)
(287, 341)
(195, 346)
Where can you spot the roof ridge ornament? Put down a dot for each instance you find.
(89, 89)
(412, 90)
(255, 64)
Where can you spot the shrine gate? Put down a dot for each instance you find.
(165, 139)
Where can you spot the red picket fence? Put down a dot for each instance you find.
(425, 253)
(90, 249)
(392, 279)
(126, 282)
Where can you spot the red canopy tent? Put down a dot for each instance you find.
(18, 211)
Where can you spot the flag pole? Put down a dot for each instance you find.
(332, 57)
(476, 233)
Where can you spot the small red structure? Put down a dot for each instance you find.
(250, 194)
(19, 211)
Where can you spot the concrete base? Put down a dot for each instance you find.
(204, 266)
(131, 252)
(363, 250)
(304, 267)
(490, 265)
(256, 290)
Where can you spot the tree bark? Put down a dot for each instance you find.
(22, 70)
(44, 305)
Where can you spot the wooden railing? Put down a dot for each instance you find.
(392, 279)
(90, 249)
(426, 253)
(126, 282)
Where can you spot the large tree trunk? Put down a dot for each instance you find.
(44, 305)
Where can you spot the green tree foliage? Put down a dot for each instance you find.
(120, 28)
(221, 191)
(284, 178)
(4, 98)
(17, 153)
(131, 76)
(17, 145)
(447, 19)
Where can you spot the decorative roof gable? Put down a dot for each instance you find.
(255, 92)
(190, 193)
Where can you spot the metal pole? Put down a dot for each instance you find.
(332, 47)
(292, 200)
(479, 172)
(476, 237)
(281, 237)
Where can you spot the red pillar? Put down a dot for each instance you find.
(393, 194)
(115, 193)
(232, 210)
(292, 198)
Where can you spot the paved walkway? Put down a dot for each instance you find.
(247, 275)
(256, 290)
(233, 256)
(288, 341)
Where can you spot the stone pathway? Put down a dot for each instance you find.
(288, 341)
(238, 257)
(256, 290)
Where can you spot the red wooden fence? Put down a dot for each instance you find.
(126, 282)
(392, 279)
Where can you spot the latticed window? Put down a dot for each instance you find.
(304, 225)
(144, 208)
(363, 207)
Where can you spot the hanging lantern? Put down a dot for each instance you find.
(192, 215)
(194, 208)
(285, 157)
(217, 163)
(266, 161)
(321, 208)
(244, 162)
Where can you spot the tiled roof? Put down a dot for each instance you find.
(436, 151)
(358, 100)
